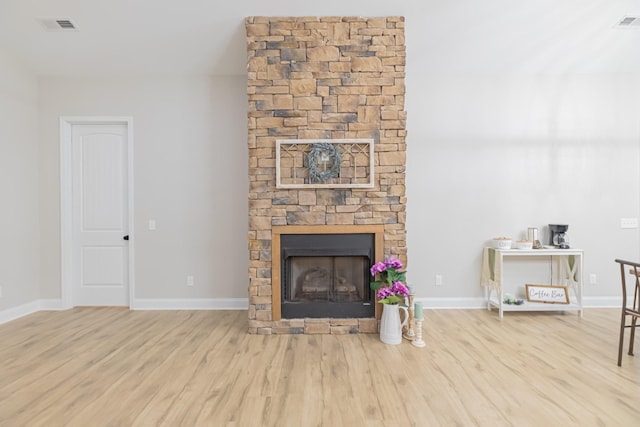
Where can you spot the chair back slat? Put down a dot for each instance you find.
(634, 310)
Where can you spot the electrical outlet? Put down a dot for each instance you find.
(152, 224)
(629, 223)
(438, 280)
(593, 279)
(190, 281)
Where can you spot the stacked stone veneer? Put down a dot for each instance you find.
(323, 78)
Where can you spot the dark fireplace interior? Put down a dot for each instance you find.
(326, 275)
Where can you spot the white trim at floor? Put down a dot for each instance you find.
(480, 302)
(14, 313)
(191, 304)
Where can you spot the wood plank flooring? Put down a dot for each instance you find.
(115, 367)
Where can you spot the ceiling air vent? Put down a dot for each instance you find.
(53, 24)
(629, 21)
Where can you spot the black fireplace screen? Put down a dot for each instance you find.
(326, 275)
(328, 279)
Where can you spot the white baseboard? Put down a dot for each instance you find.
(452, 303)
(191, 304)
(602, 302)
(480, 302)
(14, 313)
(52, 305)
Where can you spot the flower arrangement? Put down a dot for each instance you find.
(391, 288)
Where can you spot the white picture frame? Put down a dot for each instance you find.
(286, 149)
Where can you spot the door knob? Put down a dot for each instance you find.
(126, 237)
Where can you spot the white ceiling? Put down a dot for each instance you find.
(125, 37)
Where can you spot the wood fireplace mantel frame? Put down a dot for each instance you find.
(278, 230)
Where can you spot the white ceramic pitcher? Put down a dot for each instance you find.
(390, 324)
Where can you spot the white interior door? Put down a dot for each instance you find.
(99, 215)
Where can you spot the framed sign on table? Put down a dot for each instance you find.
(549, 294)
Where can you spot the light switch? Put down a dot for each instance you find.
(152, 224)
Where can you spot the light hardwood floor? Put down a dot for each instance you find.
(115, 367)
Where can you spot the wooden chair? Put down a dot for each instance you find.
(634, 309)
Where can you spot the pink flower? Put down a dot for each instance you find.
(384, 292)
(390, 287)
(393, 263)
(399, 288)
(378, 267)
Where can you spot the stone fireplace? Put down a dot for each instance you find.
(311, 246)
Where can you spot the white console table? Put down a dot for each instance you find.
(570, 272)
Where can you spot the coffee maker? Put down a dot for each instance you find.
(558, 235)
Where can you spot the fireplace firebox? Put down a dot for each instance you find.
(326, 275)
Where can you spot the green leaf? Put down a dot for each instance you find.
(375, 285)
(396, 276)
(392, 299)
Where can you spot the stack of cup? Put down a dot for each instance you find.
(532, 236)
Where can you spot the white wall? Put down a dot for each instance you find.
(491, 155)
(19, 237)
(190, 176)
(488, 155)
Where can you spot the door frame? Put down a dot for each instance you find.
(66, 201)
